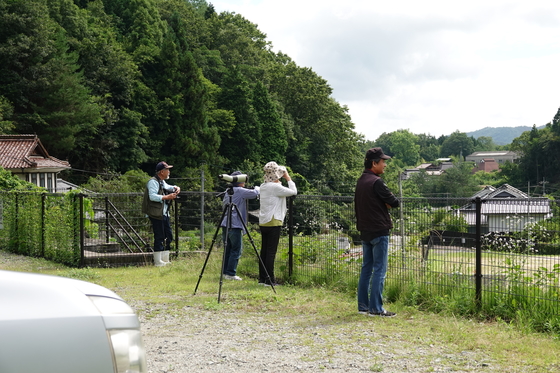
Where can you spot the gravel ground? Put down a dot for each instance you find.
(221, 341)
(201, 340)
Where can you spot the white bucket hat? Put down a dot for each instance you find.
(273, 172)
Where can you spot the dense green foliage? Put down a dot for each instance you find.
(538, 166)
(115, 86)
(118, 85)
(11, 182)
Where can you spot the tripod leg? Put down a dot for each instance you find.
(227, 210)
(210, 250)
(255, 248)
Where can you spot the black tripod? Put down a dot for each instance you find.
(228, 208)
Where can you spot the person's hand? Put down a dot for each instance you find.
(286, 176)
(171, 195)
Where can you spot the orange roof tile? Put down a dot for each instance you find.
(25, 152)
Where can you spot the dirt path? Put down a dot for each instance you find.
(221, 341)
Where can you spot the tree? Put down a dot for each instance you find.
(112, 77)
(484, 143)
(6, 111)
(402, 146)
(244, 142)
(421, 183)
(457, 144)
(316, 123)
(458, 181)
(41, 77)
(429, 147)
(133, 181)
(11, 182)
(495, 178)
(274, 139)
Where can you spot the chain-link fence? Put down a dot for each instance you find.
(495, 250)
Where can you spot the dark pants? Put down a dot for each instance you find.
(270, 238)
(234, 248)
(163, 235)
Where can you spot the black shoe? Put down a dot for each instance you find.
(383, 314)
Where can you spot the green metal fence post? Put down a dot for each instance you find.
(43, 219)
(106, 219)
(16, 239)
(478, 265)
(290, 236)
(82, 225)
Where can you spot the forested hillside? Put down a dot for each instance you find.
(501, 135)
(116, 85)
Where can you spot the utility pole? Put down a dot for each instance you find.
(543, 183)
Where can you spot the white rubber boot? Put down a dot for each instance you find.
(165, 257)
(157, 259)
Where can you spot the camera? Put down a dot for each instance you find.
(234, 179)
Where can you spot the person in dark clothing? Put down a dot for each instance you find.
(372, 200)
(155, 205)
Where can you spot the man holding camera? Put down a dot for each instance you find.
(236, 230)
(157, 198)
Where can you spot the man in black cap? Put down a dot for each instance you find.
(372, 200)
(157, 197)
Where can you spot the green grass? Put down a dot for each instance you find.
(332, 313)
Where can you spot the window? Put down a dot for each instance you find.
(50, 182)
(42, 180)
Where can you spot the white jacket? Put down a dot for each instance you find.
(273, 200)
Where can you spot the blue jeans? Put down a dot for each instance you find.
(163, 235)
(372, 276)
(234, 247)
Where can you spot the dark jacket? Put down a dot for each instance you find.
(372, 215)
(151, 208)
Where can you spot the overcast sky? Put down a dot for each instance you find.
(428, 66)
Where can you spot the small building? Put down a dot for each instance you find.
(431, 169)
(501, 156)
(25, 157)
(505, 209)
(486, 165)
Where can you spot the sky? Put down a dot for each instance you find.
(431, 66)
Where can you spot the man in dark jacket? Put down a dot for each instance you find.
(372, 200)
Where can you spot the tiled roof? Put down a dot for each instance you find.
(516, 206)
(507, 191)
(25, 152)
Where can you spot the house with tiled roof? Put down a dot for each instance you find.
(25, 157)
(505, 209)
(431, 169)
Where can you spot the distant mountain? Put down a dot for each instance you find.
(501, 135)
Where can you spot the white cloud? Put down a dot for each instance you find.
(431, 67)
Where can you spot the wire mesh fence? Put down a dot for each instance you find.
(497, 251)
